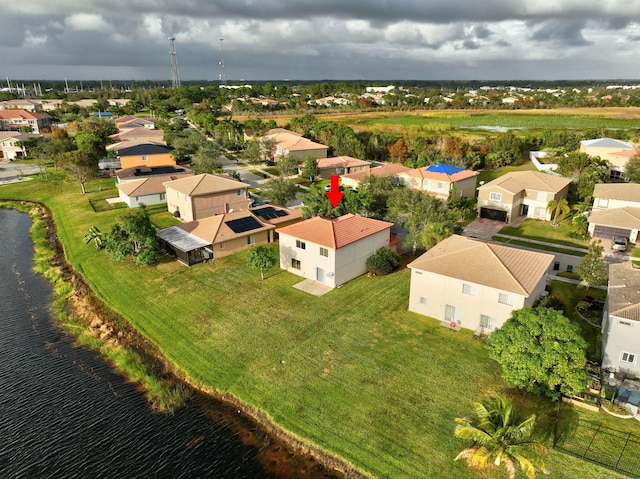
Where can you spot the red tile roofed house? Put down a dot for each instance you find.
(196, 197)
(15, 120)
(341, 165)
(442, 181)
(296, 146)
(352, 180)
(214, 236)
(476, 284)
(334, 251)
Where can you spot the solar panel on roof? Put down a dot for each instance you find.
(243, 224)
(269, 213)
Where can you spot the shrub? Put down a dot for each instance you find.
(383, 262)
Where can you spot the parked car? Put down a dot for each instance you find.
(620, 243)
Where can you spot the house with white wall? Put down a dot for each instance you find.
(621, 320)
(616, 211)
(472, 284)
(332, 251)
(442, 181)
(615, 152)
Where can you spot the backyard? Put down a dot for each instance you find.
(352, 371)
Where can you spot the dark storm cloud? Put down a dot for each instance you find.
(559, 32)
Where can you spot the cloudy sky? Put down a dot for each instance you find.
(321, 39)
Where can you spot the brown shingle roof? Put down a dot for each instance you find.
(341, 162)
(627, 217)
(617, 191)
(517, 181)
(377, 171)
(214, 230)
(145, 186)
(335, 233)
(624, 291)
(497, 266)
(204, 184)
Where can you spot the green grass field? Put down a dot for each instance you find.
(352, 371)
(544, 231)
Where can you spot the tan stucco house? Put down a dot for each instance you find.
(621, 320)
(332, 251)
(341, 165)
(615, 152)
(473, 284)
(442, 181)
(147, 191)
(616, 211)
(16, 120)
(12, 143)
(214, 236)
(294, 145)
(196, 197)
(521, 193)
(352, 180)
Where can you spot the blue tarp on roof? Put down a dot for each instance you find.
(442, 168)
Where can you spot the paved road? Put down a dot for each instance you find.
(11, 172)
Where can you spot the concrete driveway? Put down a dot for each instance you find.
(485, 229)
(11, 172)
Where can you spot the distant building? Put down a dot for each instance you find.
(17, 120)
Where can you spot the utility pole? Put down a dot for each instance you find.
(175, 77)
(223, 78)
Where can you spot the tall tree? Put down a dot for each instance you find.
(287, 165)
(83, 167)
(559, 209)
(279, 190)
(633, 169)
(541, 351)
(310, 169)
(500, 438)
(592, 268)
(262, 257)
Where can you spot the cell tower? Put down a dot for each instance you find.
(223, 78)
(175, 78)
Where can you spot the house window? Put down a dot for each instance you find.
(449, 313)
(627, 357)
(468, 289)
(495, 196)
(542, 196)
(423, 300)
(417, 272)
(603, 202)
(221, 245)
(301, 244)
(504, 298)
(324, 252)
(487, 322)
(162, 196)
(250, 239)
(625, 323)
(241, 192)
(145, 157)
(539, 212)
(441, 185)
(295, 263)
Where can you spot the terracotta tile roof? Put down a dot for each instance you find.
(22, 114)
(517, 181)
(617, 191)
(300, 144)
(431, 175)
(624, 291)
(377, 171)
(341, 162)
(205, 184)
(335, 233)
(625, 153)
(214, 229)
(494, 265)
(627, 217)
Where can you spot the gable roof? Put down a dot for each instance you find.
(144, 149)
(617, 191)
(145, 186)
(136, 132)
(216, 229)
(18, 135)
(300, 144)
(624, 291)
(376, 171)
(627, 217)
(517, 181)
(22, 114)
(607, 143)
(205, 184)
(341, 162)
(489, 264)
(335, 233)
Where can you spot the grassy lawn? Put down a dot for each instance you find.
(352, 371)
(544, 231)
(552, 249)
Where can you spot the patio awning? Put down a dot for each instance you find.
(178, 238)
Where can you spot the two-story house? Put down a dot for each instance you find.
(616, 211)
(295, 146)
(621, 320)
(521, 193)
(332, 251)
(473, 284)
(196, 197)
(14, 144)
(18, 120)
(341, 165)
(615, 152)
(442, 181)
(142, 153)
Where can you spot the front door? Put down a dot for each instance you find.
(525, 210)
(320, 275)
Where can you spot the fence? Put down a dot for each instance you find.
(610, 448)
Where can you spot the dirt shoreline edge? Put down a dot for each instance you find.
(280, 451)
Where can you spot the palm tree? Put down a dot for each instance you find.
(558, 209)
(500, 438)
(95, 235)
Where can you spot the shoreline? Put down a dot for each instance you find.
(280, 452)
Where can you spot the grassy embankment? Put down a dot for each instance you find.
(352, 371)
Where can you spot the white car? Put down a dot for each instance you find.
(620, 243)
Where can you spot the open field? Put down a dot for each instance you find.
(352, 371)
